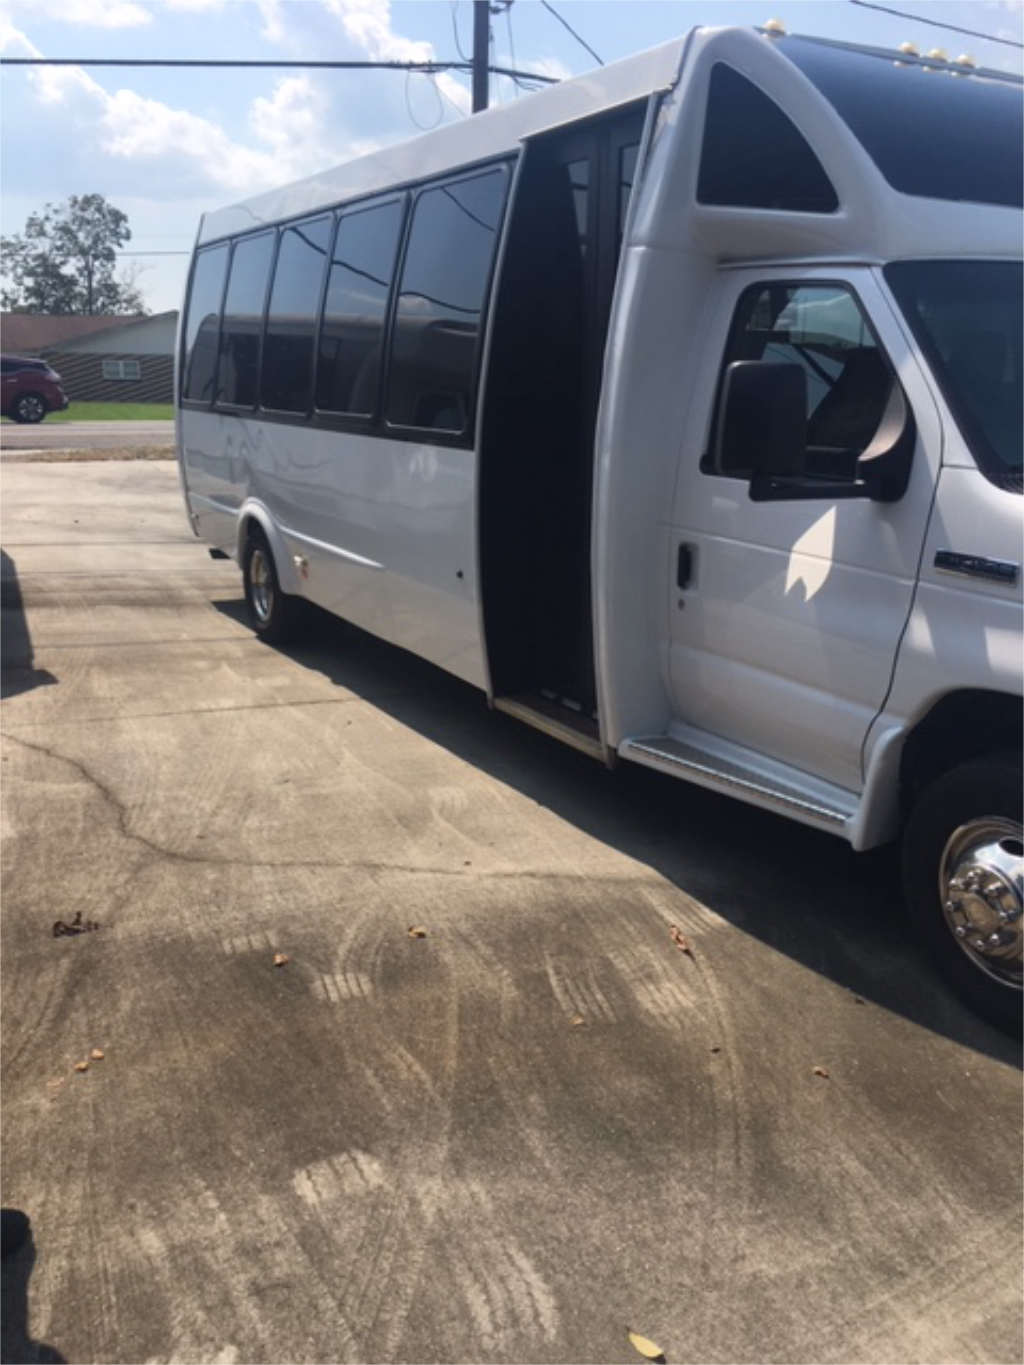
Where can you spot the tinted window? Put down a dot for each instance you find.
(202, 323)
(444, 283)
(355, 309)
(753, 155)
(291, 316)
(239, 370)
(848, 379)
(968, 319)
(930, 132)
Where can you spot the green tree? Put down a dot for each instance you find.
(64, 261)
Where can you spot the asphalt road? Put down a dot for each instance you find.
(507, 1140)
(84, 436)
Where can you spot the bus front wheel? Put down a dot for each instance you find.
(963, 873)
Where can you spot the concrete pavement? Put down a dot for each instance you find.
(507, 1140)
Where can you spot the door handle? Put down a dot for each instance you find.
(684, 566)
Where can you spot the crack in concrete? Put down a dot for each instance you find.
(204, 859)
(209, 710)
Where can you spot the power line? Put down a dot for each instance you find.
(427, 67)
(565, 24)
(935, 23)
(455, 30)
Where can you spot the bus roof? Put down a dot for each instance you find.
(500, 130)
(496, 132)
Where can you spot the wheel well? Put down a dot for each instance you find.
(962, 726)
(245, 534)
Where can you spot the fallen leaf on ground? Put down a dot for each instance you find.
(680, 940)
(81, 1066)
(645, 1346)
(280, 959)
(417, 931)
(576, 1021)
(77, 926)
(97, 1054)
(820, 1071)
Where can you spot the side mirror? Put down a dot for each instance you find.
(762, 428)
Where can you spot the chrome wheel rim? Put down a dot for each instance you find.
(261, 586)
(981, 885)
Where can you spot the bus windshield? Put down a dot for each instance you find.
(967, 318)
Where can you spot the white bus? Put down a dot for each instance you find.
(678, 408)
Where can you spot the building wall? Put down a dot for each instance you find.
(82, 373)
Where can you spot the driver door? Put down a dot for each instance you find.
(785, 616)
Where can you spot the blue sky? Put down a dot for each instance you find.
(165, 145)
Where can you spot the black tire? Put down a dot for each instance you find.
(272, 613)
(29, 407)
(986, 788)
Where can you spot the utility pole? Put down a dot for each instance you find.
(481, 52)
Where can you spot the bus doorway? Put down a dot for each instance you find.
(543, 386)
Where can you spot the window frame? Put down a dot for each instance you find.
(404, 430)
(706, 465)
(294, 415)
(274, 231)
(121, 365)
(333, 419)
(325, 419)
(199, 404)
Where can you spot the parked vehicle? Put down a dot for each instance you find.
(30, 389)
(678, 408)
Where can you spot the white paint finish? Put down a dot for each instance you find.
(963, 632)
(386, 526)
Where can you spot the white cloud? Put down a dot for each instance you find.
(94, 13)
(368, 24)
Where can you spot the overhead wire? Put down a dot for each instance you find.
(455, 30)
(423, 127)
(566, 25)
(935, 23)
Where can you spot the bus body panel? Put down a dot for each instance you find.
(384, 537)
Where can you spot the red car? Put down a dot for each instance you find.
(29, 389)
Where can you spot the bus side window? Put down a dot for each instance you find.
(444, 283)
(355, 309)
(822, 329)
(287, 384)
(241, 332)
(202, 324)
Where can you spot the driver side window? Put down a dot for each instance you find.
(821, 328)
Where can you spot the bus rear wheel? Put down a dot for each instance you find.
(272, 613)
(963, 873)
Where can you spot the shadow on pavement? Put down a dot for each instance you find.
(17, 673)
(804, 893)
(15, 1343)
